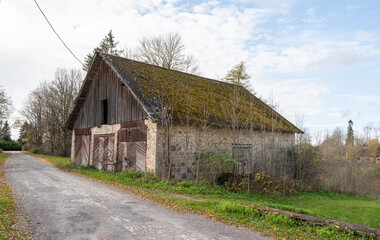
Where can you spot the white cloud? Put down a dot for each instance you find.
(352, 7)
(218, 34)
(333, 114)
(340, 57)
(364, 36)
(313, 18)
(280, 5)
(296, 95)
(363, 98)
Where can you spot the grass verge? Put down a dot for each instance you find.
(8, 216)
(217, 203)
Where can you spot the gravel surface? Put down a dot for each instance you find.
(60, 205)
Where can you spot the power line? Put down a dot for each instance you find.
(57, 33)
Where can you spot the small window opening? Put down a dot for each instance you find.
(105, 111)
(129, 136)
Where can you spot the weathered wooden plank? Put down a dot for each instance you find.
(77, 149)
(85, 150)
(82, 131)
(122, 164)
(131, 156)
(140, 156)
(123, 107)
(98, 152)
(108, 162)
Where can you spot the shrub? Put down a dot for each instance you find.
(213, 164)
(184, 184)
(262, 182)
(36, 150)
(307, 161)
(10, 146)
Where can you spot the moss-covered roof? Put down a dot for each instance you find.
(195, 99)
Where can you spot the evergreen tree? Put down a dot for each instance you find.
(6, 132)
(107, 45)
(350, 141)
(350, 134)
(23, 133)
(238, 75)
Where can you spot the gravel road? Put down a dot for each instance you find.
(60, 205)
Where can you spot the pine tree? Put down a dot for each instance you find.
(107, 45)
(350, 134)
(238, 75)
(350, 141)
(23, 133)
(6, 132)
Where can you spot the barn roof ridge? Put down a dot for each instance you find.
(173, 70)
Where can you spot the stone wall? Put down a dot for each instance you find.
(151, 145)
(268, 150)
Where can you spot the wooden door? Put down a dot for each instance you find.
(82, 147)
(77, 149)
(103, 153)
(132, 147)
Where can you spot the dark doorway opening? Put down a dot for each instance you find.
(105, 111)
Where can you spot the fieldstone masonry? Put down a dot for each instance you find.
(185, 142)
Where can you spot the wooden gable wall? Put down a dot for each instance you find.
(122, 105)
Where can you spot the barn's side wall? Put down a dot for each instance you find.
(267, 148)
(122, 104)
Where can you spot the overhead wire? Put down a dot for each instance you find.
(57, 34)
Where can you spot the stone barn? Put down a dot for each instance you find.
(131, 115)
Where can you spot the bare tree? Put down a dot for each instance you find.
(5, 104)
(48, 108)
(166, 51)
(377, 132)
(368, 131)
(318, 137)
(33, 114)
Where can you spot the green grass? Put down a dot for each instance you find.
(343, 207)
(7, 207)
(59, 161)
(216, 202)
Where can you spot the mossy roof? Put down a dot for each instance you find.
(195, 99)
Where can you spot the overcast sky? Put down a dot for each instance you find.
(319, 59)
